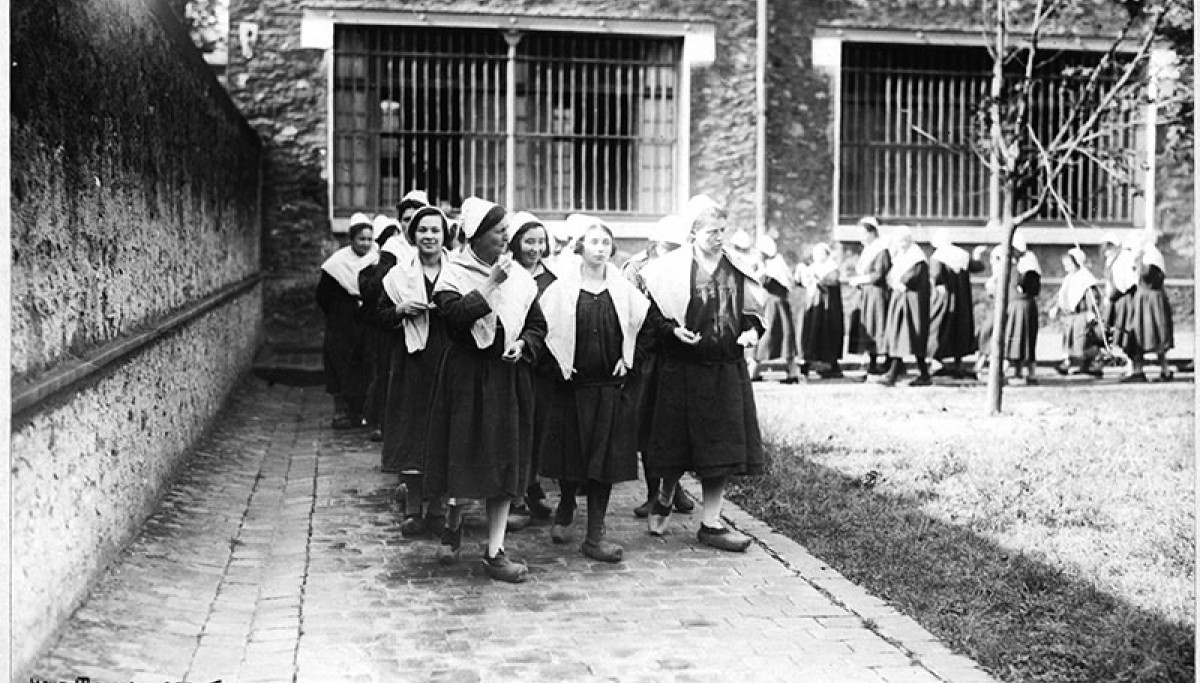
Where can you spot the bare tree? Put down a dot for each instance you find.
(1028, 163)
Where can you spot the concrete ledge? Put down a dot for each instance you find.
(30, 394)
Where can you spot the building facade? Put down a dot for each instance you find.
(623, 109)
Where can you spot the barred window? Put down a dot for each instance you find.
(909, 113)
(595, 126)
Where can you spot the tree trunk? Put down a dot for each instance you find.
(1000, 319)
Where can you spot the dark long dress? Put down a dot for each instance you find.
(908, 315)
(952, 311)
(1150, 324)
(544, 369)
(410, 388)
(377, 342)
(823, 327)
(704, 419)
(343, 353)
(586, 432)
(1021, 329)
(480, 440)
(1117, 315)
(868, 319)
(1080, 340)
(642, 377)
(779, 340)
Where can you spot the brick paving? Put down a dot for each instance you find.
(277, 556)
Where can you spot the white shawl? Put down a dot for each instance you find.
(398, 246)
(669, 281)
(867, 257)
(1151, 256)
(509, 302)
(406, 282)
(1074, 287)
(1028, 262)
(903, 262)
(344, 266)
(955, 258)
(559, 304)
(1124, 271)
(776, 268)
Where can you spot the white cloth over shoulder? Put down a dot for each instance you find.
(560, 305)
(344, 266)
(867, 257)
(903, 263)
(1027, 262)
(953, 257)
(1124, 271)
(1151, 256)
(406, 282)
(1074, 287)
(669, 281)
(509, 302)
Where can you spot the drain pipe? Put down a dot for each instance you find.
(760, 120)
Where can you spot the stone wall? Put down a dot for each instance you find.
(282, 91)
(134, 180)
(135, 196)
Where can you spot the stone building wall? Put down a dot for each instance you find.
(282, 91)
(135, 197)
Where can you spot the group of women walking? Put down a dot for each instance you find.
(907, 304)
(525, 353)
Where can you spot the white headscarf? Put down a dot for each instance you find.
(474, 210)
(670, 229)
(1074, 287)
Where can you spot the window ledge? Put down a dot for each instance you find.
(979, 234)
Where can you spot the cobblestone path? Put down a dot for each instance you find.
(277, 556)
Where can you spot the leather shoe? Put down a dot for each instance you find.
(683, 502)
(500, 568)
(602, 550)
(559, 533)
(723, 539)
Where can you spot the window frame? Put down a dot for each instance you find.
(699, 50)
(827, 54)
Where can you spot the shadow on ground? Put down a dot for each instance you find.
(1020, 619)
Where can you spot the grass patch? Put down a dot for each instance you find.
(1055, 543)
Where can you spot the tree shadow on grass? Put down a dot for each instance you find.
(1020, 619)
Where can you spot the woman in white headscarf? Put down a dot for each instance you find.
(823, 325)
(1078, 302)
(419, 342)
(593, 316)
(340, 300)
(908, 310)
(1150, 324)
(481, 414)
(868, 319)
(779, 343)
(706, 309)
(1021, 330)
(951, 308)
(378, 338)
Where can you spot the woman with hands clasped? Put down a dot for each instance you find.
(480, 438)
(404, 307)
(593, 316)
(706, 307)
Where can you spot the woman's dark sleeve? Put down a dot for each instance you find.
(657, 324)
(459, 311)
(1153, 276)
(644, 345)
(911, 279)
(533, 333)
(385, 315)
(880, 266)
(328, 290)
(976, 266)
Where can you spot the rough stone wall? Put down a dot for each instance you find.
(135, 195)
(88, 469)
(135, 183)
(282, 91)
